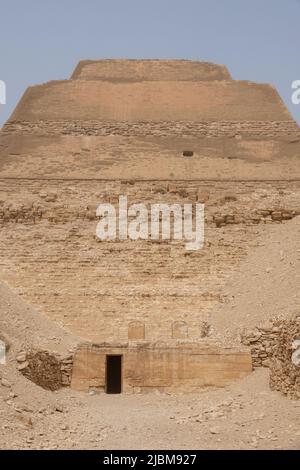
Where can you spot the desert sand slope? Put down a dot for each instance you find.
(21, 325)
(266, 285)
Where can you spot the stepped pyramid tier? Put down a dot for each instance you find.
(134, 119)
(157, 70)
(170, 131)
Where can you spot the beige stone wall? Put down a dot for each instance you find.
(49, 253)
(134, 70)
(76, 153)
(151, 101)
(273, 346)
(146, 367)
(285, 365)
(262, 341)
(259, 129)
(46, 369)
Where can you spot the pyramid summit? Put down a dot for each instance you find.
(155, 70)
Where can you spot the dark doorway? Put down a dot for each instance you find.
(113, 374)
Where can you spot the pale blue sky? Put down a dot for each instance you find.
(43, 40)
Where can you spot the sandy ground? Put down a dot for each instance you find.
(246, 415)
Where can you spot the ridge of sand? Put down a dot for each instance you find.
(21, 325)
(265, 287)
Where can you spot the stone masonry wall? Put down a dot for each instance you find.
(260, 129)
(185, 367)
(285, 364)
(48, 370)
(133, 70)
(49, 253)
(277, 346)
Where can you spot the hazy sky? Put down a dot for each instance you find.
(43, 40)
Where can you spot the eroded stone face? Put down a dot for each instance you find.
(145, 368)
(277, 346)
(99, 289)
(149, 70)
(47, 370)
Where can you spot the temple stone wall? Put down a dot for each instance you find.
(146, 367)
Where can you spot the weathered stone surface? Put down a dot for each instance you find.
(186, 367)
(47, 370)
(273, 346)
(157, 70)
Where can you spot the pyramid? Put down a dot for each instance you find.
(158, 132)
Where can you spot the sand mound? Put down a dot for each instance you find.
(266, 285)
(22, 325)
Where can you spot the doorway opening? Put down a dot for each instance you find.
(113, 374)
